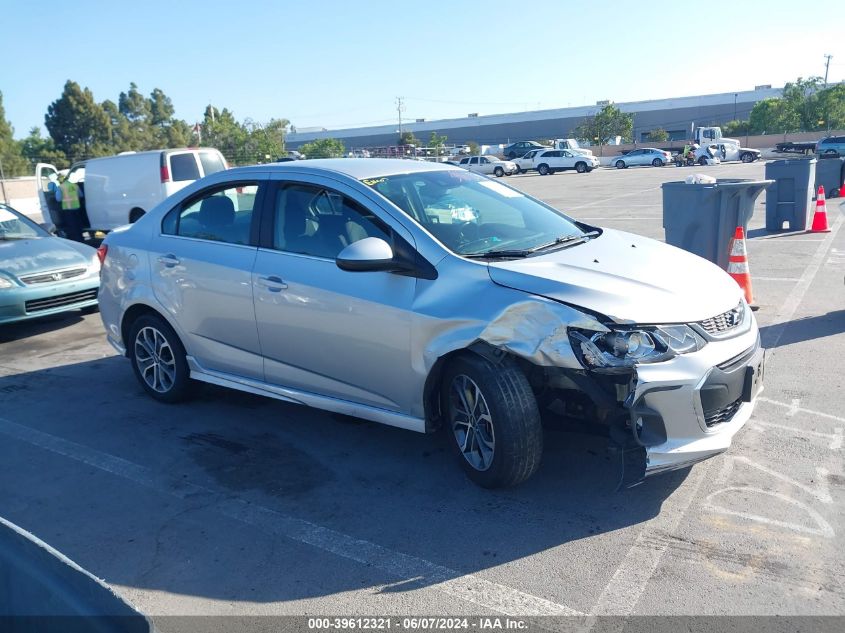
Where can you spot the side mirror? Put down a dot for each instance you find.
(367, 255)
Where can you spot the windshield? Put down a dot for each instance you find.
(473, 215)
(14, 226)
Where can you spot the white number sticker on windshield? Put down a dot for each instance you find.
(501, 189)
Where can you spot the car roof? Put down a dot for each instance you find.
(357, 168)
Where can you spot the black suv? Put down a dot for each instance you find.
(515, 150)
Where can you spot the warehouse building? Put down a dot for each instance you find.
(676, 116)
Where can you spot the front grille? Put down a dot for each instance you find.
(48, 303)
(725, 414)
(52, 276)
(724, 322)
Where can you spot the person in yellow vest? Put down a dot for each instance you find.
(70, 194)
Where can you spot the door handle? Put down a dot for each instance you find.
(169, 260)
(272, 283)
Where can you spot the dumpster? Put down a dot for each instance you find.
(42, 591)
(702, 218)
(830, 174)
(791, 197)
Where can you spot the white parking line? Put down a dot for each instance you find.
(466, 587)
(628, 583)
(603, 200)
(790, 306)
(820, 414)
(757, 278)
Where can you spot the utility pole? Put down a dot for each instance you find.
(826, 67)
(400, 108)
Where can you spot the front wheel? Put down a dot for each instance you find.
(158, 359)
(492, 421)
(499, 172)
(620, 164)
(657, 163)
(543, 169)
(747, 158)
(581, 167)
(702, 161)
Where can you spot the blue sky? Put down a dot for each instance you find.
(335, 63)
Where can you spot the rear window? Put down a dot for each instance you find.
(183, 167)
(211, 162)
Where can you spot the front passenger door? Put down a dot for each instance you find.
(324, 330)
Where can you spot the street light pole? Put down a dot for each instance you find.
(736, 94)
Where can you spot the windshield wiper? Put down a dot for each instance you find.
(568, 240)
(494, 254)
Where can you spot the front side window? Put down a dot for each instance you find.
(315, 221)
(473, 215)
(474, 161)
(183, 167)
(223, 214)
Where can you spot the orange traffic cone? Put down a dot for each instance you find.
(738, 264)
(820, 217)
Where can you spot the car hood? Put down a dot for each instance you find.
(22, 257)
(629, 278)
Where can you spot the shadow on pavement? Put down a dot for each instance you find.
(21, 330)
(807, 329)
(400, 490)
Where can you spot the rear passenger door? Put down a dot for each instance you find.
(201, 263)
(324, 330)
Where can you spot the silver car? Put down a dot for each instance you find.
(643, 156)
(428, 297)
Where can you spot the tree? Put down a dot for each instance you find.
(735, 128)
(608, 122)
(38, 149)
(437, 141)
(773, 116)
(10, 155)
(408, 138)
(161, 108)
(831, 108)
(78, 125)
(658, 135)
(221, 130)
(801, 96)
(323, 148)
(266, 142)
(473, 148)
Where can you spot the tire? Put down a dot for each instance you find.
(581, 168)
(747, 157)
(620, 164)
(502, 424)
(657, 163)
(135, 215)
(165, 375)
(499, 172)
(520, 170)
(702, 161)
(543, 169)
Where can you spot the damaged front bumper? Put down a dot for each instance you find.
(689, 408)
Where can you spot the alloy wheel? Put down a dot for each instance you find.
(155, 360)
(472, 424)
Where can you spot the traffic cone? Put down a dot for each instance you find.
(738, 264)
(820, 217)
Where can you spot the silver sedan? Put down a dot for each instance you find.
(427, 297)
(643, 156)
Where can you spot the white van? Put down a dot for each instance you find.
(120, 189)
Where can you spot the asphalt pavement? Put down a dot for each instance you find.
(238, 505)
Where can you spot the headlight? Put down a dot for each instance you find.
(619, 350)
(5, 283)
(94, 264)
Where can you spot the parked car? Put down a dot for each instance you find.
(41, 274)
(553, 160)
(526, 163)
(120, 189)
(424, 296)
(644, 156)
(831, 147)
(489, 165)
(518, 149)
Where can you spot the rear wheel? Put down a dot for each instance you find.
(543, 169)
(657, 163)
(499, 172)
(158, 359)
(135, 215)
(492, 421)
(581, 167)
(620, 164)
